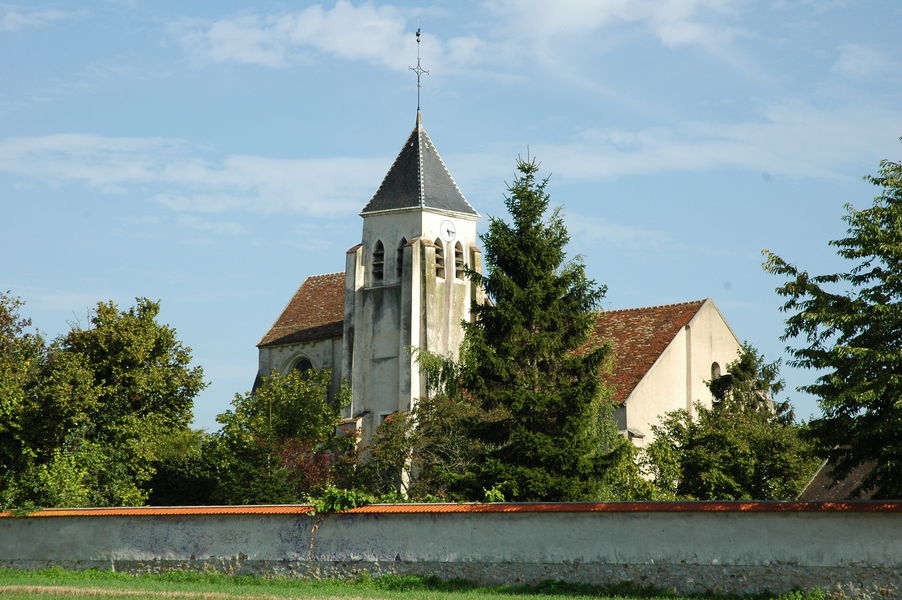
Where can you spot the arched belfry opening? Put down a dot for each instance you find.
(399, 258)
(378, 262)
(439, 258)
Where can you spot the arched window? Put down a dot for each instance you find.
(378, 262)
(715, 371)
(399, 258)
(458, 260)
(439, 258)
(302, 365)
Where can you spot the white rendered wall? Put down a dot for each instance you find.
(677, 379)
(727, 548)
(385, 319)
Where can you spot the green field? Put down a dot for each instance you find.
(57, 583)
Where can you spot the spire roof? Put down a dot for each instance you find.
(419, 179)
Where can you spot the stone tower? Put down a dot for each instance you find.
(404, 282)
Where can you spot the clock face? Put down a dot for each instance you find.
(448, 231)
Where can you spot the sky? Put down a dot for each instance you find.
(211, 155)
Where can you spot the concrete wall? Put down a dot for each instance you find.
(677, 379)
(688, 547)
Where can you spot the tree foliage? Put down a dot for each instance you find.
(278, 443)
(848, 326)
(87, 414)
(744, 447)
(525, 366)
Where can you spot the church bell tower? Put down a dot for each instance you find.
(404, 282)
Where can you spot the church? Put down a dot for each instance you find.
(404, 287)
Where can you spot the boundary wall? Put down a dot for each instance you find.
(732, 547)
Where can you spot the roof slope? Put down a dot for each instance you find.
(638, 336)
(315, 312)
(418, 179)
(821, 486)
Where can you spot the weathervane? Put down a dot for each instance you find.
(418, 70)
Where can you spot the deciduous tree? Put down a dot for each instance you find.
(278, 443)
(848, 327)
(745, 446)
(94, 408)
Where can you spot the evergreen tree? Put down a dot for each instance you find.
(850, 326)
(525, 365)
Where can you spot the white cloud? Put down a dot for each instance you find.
(672, 22)
(187, 179)
(858, 61)
(16, 18)
(366, 32)
(791, 139)
(381, 35)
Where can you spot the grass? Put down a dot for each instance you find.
(55, 583)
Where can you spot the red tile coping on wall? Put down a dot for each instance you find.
(156, 511)
(501, 507)
(851, 506)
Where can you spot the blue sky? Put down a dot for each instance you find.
(213, 154)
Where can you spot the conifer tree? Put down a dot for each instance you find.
(525, 365)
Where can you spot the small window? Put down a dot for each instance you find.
(715, 371)
(458, 260)
(378, 262)
(399, 259)
(302, 365)
(439, 258)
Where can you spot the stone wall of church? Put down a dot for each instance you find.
(322, 354)
(685, 547)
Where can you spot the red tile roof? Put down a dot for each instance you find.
(528, 507)
(316, 312)
(638, 336)
(156, 511)
(500, 507)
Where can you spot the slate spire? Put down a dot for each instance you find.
(418, 179)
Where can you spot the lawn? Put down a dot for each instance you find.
(57, 583)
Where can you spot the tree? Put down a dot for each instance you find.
(95, 407)
(185, 472)
(848, 326)
(744, 447)
(278, 443)
(526, 366)
(21, 357)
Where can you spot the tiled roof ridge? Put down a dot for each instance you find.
(637, 308)
(390, 169)
(421, 180)
(322, 275)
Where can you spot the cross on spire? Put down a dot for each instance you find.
(419, 70)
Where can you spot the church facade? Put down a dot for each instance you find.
(404, 287)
